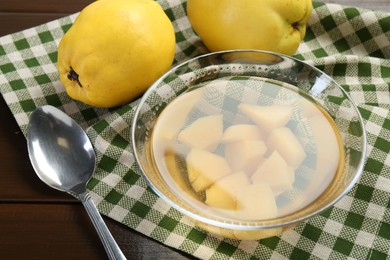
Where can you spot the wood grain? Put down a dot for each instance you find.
(44, 222)
(37, 222)
(63, 231)
(22, 14)
(18, 181)
(43, 6)
(49, 230)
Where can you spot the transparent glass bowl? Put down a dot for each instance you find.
(210, 67)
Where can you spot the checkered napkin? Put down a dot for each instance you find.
(351, 45)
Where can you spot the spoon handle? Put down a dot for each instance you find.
(111, 247)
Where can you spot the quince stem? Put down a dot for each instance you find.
(72, 75)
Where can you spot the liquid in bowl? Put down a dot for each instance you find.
(222, 104)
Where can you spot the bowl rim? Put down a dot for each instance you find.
(257, 224)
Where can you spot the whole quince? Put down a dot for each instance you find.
(271, 25)
(115, 50)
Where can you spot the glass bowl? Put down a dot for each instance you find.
(255, 78)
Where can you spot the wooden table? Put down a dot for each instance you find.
(37, 222)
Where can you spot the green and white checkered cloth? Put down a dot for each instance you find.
(352, 45)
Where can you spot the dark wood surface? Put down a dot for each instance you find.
(37, 222)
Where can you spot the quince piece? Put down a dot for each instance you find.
(172, 118)
(256, 234)
(204, 133)
(241, 132)
(204, 168)
(245, 155)
(267, 118)
(275, 172)
(219, 231)
(222, 194)
(328, 151)
(287, 144)
(256, 202)
(309, 108)
(177, 174)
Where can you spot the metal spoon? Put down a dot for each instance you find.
(63, 158)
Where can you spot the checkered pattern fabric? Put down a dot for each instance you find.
(352, 45)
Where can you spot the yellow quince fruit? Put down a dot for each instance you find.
(271, 25)
(115, 50)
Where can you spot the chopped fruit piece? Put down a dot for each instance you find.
(219, 231)
(256, 202)
(176, 174)
(204, 168)
(245, 155)
(256, 234)
(267, 117)
(308, 108)
(174, 121)
(241, 132)
(325, 140)
(222, 194)
(204, 133)
(286, 143)
(328, 152)
(275, 172)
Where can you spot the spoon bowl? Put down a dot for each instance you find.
(60, 151)
(63, 158)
